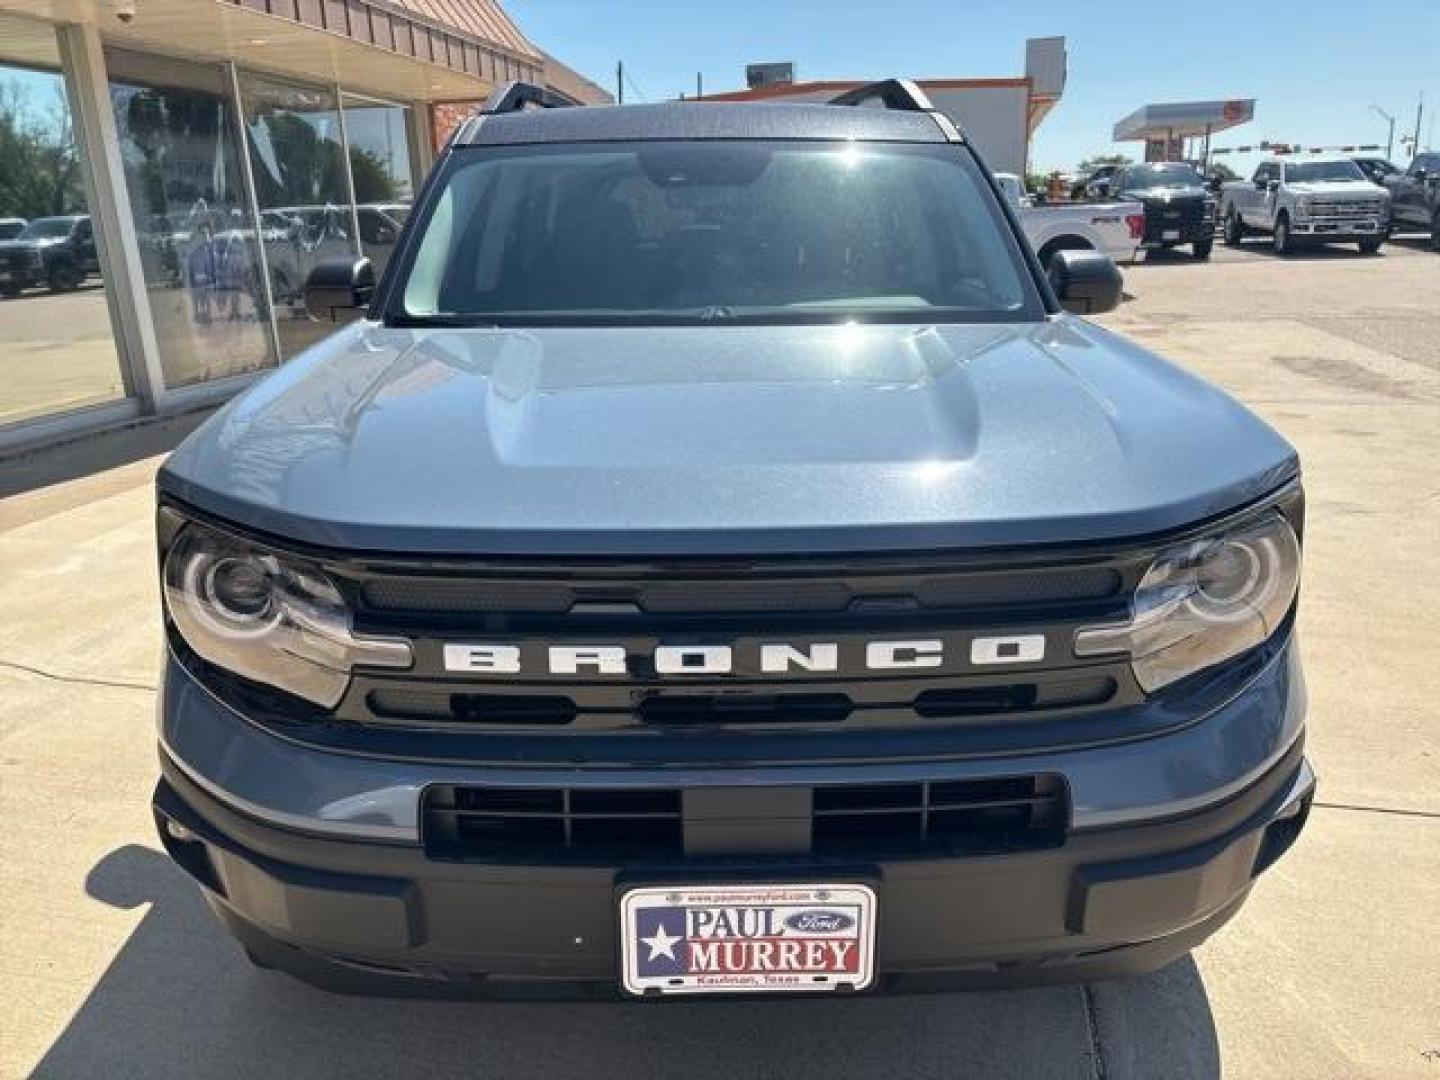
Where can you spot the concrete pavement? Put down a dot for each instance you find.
(110, 966)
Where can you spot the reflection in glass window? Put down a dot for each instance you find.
(383, 178)
(179, 146)
(57, 349)
(298, 161)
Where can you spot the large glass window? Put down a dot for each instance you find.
(297, 159)
(180, 148)
(57, 347)
(381, 171)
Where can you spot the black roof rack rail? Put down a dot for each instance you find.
(519, 96)
(902, 94)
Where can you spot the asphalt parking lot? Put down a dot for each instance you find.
(111, 966)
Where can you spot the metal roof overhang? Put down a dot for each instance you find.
(370, 46)
(1184, 119)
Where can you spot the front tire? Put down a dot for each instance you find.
(65, 278)
(1283, 242)
(1435, 231)
(1201, 248)
(1370, 245)
(1234, 229)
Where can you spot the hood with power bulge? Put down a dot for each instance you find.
(725, 440)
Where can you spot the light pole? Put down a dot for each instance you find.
(1389, 139)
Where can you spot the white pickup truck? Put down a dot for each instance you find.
(1114, 228)
(1319, 200)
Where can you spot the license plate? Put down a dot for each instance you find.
(1170, 234)
(741, 939)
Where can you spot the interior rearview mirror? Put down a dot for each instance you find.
(339, 289)
(1085, 282)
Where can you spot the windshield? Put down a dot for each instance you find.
(705, 231)
(1144, 177)
(47, 228)
(1320, 172)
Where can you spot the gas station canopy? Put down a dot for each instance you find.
(1184, 119)
(1163, 128)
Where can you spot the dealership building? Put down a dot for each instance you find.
(170, 170)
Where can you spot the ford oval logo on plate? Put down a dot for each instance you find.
(819, 922)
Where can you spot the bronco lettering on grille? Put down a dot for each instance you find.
(772, 658)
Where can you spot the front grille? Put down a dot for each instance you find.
(1345, 208)
(1189, 216)
(601, 826)
(742, 604)
(737, 592)
(423, 707)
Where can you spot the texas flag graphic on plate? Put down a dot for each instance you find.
(747, 938)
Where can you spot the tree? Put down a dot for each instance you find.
(1223, 171)
(39, 163)
(371, 176)
(302, 168)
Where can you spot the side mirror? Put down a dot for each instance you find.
(1422, 174)
(1085, 282)
(339, 289)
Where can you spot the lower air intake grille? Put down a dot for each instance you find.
(544, 824)
(615, 825)
(962, 817)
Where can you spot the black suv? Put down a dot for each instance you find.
(56, 252)
(1415, 197)
(713, 561)
(1179, 207)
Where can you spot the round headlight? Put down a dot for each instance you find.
(1202, 603)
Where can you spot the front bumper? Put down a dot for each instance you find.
(1338, 228)
(382, 919)
(317, 866)
(1166, 227)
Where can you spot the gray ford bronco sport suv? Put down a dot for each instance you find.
(713, 560)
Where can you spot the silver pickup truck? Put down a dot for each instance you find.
(1114, 228)
(1321, 200)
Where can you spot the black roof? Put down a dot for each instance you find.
(701, 120)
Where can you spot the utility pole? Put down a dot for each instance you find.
(1419, 112)
(1389, 139)
(620, 82)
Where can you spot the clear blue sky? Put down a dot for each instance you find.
(1313, 66)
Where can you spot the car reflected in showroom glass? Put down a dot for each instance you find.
(380, 167)
(297, 159)
(180, 148)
